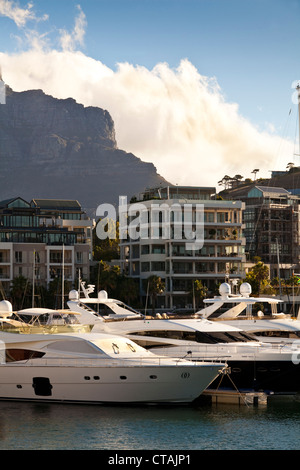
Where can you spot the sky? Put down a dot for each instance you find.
(200, 88)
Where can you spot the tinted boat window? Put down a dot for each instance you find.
(13, 355)
(199, 336)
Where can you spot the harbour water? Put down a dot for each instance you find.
(38, 426)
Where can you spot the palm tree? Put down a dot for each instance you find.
(19, 290)
(108, 279)
(254, 172)
(199, 292)
(155, 287)
(128, 289)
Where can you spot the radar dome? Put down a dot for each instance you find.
(245, 289)
(225, 289)
(102, 295)
(73, 295)
(5, 308)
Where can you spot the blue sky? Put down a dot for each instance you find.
(250, 47)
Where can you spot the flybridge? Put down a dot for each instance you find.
(242, 301)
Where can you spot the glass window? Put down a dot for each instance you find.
(158, 266)
(209, 217)
(158, 249)
(18, 256)
(145, 267)
(145, 249)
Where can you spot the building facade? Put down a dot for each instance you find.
(218, 254)
(43, 239)
(272, 228)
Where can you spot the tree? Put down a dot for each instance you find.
(20, 290)
(258, 277)
(199, 292)
(128, 289)
(290, 166)
(225, 181)
(236, 180)
(108, 248)
(55, 292)
(155, 287)
(108, 277)
(256, 170)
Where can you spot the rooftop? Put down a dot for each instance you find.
(56, 204)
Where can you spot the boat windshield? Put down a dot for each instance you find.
(200, 336)
(48, 318)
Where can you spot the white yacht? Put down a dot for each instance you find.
(253, 364)
(39, 320)
(95, 368)
(237, 310)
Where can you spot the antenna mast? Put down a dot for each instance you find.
(298, 90)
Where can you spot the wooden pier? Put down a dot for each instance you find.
(234, 397)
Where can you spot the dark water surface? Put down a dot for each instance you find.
(37, 426)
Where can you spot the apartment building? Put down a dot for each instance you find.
(271, 219)
(39, 239)
(214, 255)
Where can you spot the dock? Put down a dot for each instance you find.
(234, 397)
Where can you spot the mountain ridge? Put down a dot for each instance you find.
(60, 149)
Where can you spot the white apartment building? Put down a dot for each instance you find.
(168, 253)
(42, 239)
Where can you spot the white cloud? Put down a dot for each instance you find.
(20, 16)
(175, 118)
(70, 41)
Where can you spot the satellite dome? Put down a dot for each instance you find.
(73, 295)
(245, 289)
(225, 289)
(102, 295)
(5, 308)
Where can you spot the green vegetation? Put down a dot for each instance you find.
(154, 287)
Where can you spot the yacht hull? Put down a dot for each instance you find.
(259, 368)
(268, 376)
(105, 385)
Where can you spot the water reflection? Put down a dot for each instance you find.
(79, 427)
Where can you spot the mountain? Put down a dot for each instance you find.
(54, 148)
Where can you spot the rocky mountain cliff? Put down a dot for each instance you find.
(52, 148)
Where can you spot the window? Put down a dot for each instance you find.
(158, 266)
(18, 256)
(18, 203)
(131, 347)
(145, 267)
(199, 336)
(209, 217)
(222, 217)
(13, 355)
(158, 249)
(145, 249)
